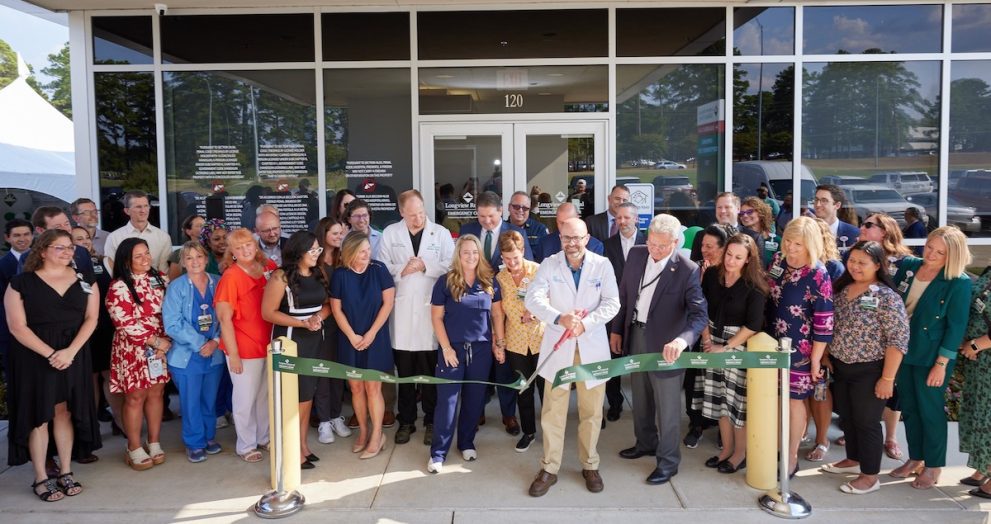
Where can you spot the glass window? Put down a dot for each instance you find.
(669, 122)
(211, 39)
(877, 121)
(971, 26)
(541, 89)
(682, 31)
(559, 169)
(512, 34)
(365, 36)
(873, 29)
(465, 166)
(763, 31)
(239, 139)
(127, 156)
(368, 132)
(122, 40)
(969, 199)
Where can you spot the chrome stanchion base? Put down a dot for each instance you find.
(786, 505)
(276, 504)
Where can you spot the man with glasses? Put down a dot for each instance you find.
(268, 229)
(359, 216)
(828, 201)
(603, 225)
(661, 303)
(519, 215)
(51, 217)
(138, 208)
(551, 243)
(84, 213)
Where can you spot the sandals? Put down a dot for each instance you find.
(52, 492)
(68, 485)
(892, 450)
(157, 455)
(818, 453)
(926, 479)
(252, 456)
(138, 459)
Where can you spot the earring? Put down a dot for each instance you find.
(234, 258)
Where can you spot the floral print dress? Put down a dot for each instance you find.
(135, 325)
(800, 306)
(975, 401)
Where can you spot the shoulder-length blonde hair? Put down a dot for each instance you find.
(958, 255)
(456, 277)
(808, 232)
(892, 240)
(829, 249)
(237, 238)
(350, 247)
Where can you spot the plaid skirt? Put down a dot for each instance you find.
(722, 392)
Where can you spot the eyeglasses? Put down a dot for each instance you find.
(567, 239)
(315, 251)
(517, 207)
(823, 201)
(270, 230)
(747, 212)
(869, 225)
(61, 249)
(86, 212)
(363, 216)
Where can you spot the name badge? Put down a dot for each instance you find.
(87, 288)
(205, 320)
(903, 287)
(979, 305)
(776, 271)
(98, 269)
(155, 284)
(869, 303)
(521, 294)
(155, 368)
(771, 245)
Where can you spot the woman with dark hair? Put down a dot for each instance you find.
(870, 337)
(714, 238)
(51, 312)
(338, 207)
(191, 227)
(295, 302)
(735, 293)
(138, 368)
(213, 237)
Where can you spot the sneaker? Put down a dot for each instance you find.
(213, 447)
(404, 432)
(693, 438)
(340, 427)
(525, 441)
(469, 455)
(195, 455)
(325, 433)
(428, 434)
(434, 466)
(222, 422)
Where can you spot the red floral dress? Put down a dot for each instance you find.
(135, 324)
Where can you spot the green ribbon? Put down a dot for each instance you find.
(618, 367)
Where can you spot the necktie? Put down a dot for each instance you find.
(614, 229)
(488, 245)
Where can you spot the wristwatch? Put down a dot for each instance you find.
(973, 346)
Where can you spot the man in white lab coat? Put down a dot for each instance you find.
(417, 252)
(567, 283)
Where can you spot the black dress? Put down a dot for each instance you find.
(35, 386)
(103, 336)
(308, 299)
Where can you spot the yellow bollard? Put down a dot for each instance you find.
(290, 421)
(762, 418)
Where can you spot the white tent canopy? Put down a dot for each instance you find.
(36, 142)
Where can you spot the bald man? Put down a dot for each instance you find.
(551, 243)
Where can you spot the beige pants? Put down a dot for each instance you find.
(554, 420)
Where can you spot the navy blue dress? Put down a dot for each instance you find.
(361, 300)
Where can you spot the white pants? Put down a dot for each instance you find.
(250, 405)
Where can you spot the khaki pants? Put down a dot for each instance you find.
(554, 420)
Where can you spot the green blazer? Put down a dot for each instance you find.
(940, 318)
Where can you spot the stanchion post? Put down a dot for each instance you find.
(782, 502)
(277, 503)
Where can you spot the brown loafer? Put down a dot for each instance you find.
(512, 425)
(388, 419)
(542, 483)
(593, 481)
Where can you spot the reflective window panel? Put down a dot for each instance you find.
(207, 39)
(560, 168)
(238, 139)
(122, 40)
(969, 198)
(539, 89)
(670, 132)
(365, 36)
(872, 128)
(764, 31)
(512, 34)
(971, 27)
(680, 31)
(465, 166)
(873, 29)
(369, 138)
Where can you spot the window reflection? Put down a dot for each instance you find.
(873, 29)
(122, 40)
(764, 31)
(971, 26)
(969, 199)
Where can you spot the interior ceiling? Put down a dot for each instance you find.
(77, 5)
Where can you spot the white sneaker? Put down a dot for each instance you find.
(222, 422)
(469, 455)
(340, 427)
(434, 467)
(326, 433)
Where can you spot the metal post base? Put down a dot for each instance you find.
(276, 504)
(786, 505)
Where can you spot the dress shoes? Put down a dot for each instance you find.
(659, 476)
(635, 453)
(727, 467)
(612, 415)
(712, 462)
(512, 425)
(593, 481)
(543, 482)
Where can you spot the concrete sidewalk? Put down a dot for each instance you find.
(394, 487)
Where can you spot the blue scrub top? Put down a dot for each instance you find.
(199, 365)
(469, 319)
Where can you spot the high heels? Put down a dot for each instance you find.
(372, 454)
(358, 446)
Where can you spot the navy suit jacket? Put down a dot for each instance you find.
(8, 268)
(598, 226)
(850, 231)
(551, 244)
(614, 252)
(677, 309)
(474, 228)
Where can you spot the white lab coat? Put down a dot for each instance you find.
(409, 323)
(553, 292)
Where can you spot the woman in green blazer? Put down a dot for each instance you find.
(936, 291)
